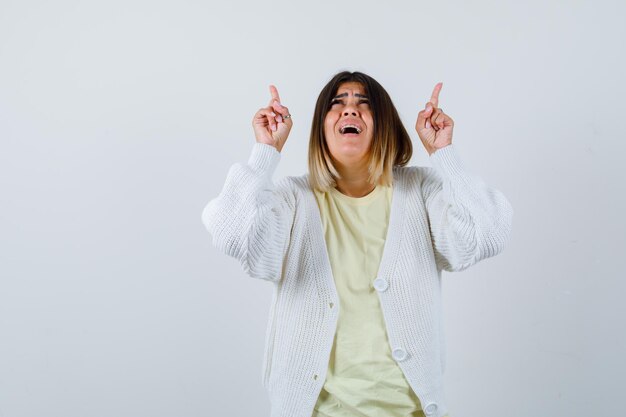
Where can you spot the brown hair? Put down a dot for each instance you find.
(391, 145)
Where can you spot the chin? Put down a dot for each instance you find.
(349, 156)
(348, 150)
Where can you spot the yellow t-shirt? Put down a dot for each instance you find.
(362, 377)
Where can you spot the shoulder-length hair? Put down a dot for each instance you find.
(391, 145)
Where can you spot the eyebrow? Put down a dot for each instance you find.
(346, 95)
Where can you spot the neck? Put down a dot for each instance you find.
(353, 182)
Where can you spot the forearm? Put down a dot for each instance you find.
(470, 221)
(250, 219)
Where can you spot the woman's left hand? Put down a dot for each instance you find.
(433, 126)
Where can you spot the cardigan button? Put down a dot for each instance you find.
(399, 354)
(430, 408)
(381, 284)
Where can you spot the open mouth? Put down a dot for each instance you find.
(350, 129)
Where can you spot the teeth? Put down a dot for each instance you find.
(343, 129)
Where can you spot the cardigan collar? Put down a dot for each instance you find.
(394, 229)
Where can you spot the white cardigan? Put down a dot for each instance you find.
(441, 218)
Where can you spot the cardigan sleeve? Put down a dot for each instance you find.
(251, 218)
(469, 221)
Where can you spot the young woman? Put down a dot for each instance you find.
(355, 250)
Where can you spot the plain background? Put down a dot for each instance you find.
(119, 121)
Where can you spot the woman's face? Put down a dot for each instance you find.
(349, 125)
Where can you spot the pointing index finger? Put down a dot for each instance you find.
(434, 98)
(274, 93)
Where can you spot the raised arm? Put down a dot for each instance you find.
(251, 218)
(468, 220)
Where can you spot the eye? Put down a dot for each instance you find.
(332, 103)
(364, 102)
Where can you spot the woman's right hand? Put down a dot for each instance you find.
(269, 123)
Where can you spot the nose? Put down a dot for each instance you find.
(350, 109)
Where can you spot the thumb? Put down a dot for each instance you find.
(429, 109)
(423, 116)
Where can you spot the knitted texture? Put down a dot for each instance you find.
(442, 218)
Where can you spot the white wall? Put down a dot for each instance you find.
(119, 121)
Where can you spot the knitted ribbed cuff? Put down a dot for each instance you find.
(264, 157)
(447, 162)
